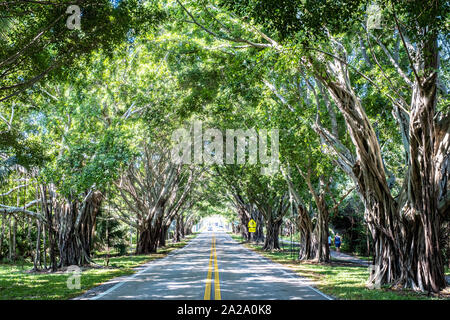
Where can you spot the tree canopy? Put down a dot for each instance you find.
(356, 92)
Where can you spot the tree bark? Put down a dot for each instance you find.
(148, 241)
(2, 235)
(154, 192)
(29, 241)
(305, 228)
(163, 235)
(75, 223)
(423, 184)
(37, 256)
(272, 233)
(14, 240)
(180, 228)
(318, 248)
(381, 213)
(10, 239)
(44, 246)
(149, 234)
(322, 250)
(188, 226)
(177, 235)
(244, 219)
(405, 230)
(258, 235)
(47, 207)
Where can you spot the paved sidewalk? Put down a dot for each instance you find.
(336, 255)
(348, 258)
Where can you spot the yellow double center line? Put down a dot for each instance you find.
(212, 257)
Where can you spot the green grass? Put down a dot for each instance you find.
(339, 280)
(17, 283)
(365, 258)
(295, 237)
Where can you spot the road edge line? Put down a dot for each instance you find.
(151, 265)
(286, 270)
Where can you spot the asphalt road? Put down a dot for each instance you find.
(212, 266)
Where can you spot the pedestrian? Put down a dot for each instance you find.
(337, 242)
(329, 241)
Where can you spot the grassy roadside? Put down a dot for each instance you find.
(17, 283)
(339, 280)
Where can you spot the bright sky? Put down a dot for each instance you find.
(213, 223)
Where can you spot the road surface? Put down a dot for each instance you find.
(211, 267)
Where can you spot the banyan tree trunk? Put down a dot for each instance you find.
(76, 220)
(88, 221)
(258, 236)
(163, 235)
(426, 257)
(2, 235)
(305, 228)
(244, 219)
(149, 235)
(272, 232)
(409, 254)
(179, 229)
(37, 255)
(47, 197)
(321, 248)
(381, 212)
(182, 235)
(146, 242)
(188, 227)
(14, 240)
(405, 230)
(314, 241)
